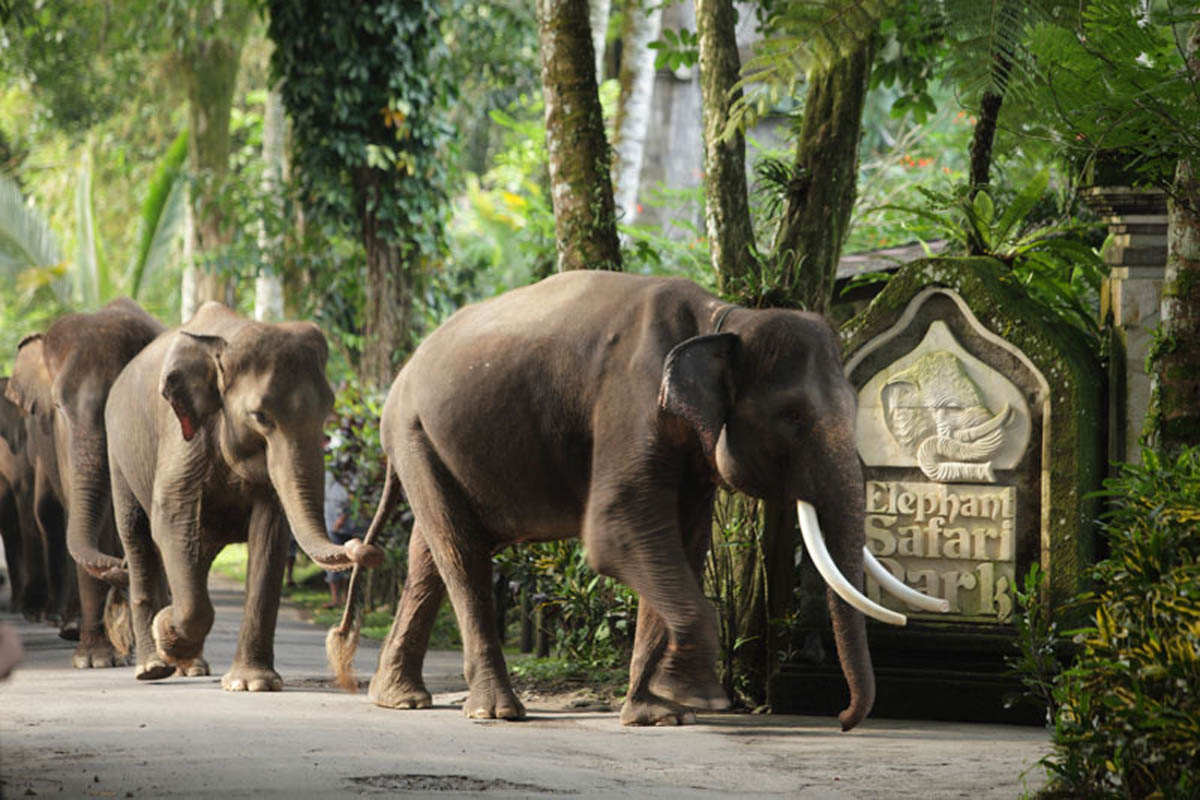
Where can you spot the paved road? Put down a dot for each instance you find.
(101, 733)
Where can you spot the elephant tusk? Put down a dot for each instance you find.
(814, 542)
(884, 577)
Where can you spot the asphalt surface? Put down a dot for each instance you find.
(101, 733)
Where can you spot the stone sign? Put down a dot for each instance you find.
(981, 434)
(951, 541)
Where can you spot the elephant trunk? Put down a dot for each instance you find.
(298, 475)
(88, 507)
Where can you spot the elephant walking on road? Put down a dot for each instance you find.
(61, 378)
(215, 436)
(609, 406)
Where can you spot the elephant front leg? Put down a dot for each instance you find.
(648, 667)
(147, 592)
(642, 706)
(253, 667)
(398, 682)
(659, 556)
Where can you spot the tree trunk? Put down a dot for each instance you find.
(727, 208)
(268, 284)
(820, 197)
(642, 27)
(1175, 420)
(580, 187)
(598, 11)
(210, 68)
(391, 278)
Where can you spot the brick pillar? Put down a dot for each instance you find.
(1129, 304)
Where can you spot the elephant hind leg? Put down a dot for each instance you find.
(398, 682)
(461, 547)
(94, 648)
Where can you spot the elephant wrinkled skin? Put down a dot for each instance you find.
(215, 436)
(609, 406)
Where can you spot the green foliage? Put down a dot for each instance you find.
(1039, 642)
(736, 544)
(503, 226)
(1127, 722)
(593, 617)
(364, 89)
(1114, 87)
(1049, 258)
(161, 216)
(799, 37)
(86, 57)
(676, 49)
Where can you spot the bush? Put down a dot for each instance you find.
(1127, 722)
(592, 618)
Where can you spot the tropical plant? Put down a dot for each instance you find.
(591, 618)
(1127, 712)
(1050, 258)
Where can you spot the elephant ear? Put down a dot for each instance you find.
(30, 386)
(697, 385)
(191, 379)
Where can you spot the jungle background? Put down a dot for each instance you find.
(376, 167)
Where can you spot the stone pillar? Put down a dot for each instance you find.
(1130, 302)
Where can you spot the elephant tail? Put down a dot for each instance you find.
(342, 641)
(118, 621)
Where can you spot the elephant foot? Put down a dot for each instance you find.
(96, 655)
(493, 702)
(196, 668)
(154, 669)
(398, 693)
(171, 646)
(656, 711)
(683, 681)
(244, 678)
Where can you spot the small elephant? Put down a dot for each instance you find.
(61, 378)
(610, 406)
(215, 435)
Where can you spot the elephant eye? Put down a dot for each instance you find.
(261, 418)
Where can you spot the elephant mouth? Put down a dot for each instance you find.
(814, 543)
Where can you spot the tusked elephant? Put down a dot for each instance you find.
(215, 436)
(610, 406)
(61, 379)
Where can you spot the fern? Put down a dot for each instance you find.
(985, 45)
(26, 239)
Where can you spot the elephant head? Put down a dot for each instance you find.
(937, 414)
(776, 419)
(262, 395)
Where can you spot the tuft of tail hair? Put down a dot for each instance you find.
(118, 620)
(341, 643)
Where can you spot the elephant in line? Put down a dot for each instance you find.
(61, 379)
(215, 435)
(610, 406)
(23, 548)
